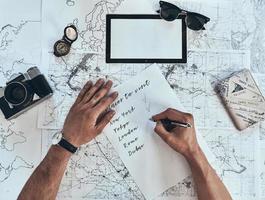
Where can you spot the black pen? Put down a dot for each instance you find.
(170, 124)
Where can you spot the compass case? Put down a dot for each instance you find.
(243, 99)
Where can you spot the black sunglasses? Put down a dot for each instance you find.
(170, 12)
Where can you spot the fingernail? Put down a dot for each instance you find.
(88, 82)
(100, 80)
(108, 85)
(109, 82)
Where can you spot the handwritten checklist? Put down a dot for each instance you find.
(154, 166)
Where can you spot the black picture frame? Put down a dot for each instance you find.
(109, 17)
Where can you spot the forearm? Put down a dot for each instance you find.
(208, 184)
(45, 180)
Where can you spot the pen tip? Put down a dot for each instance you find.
(151, 119)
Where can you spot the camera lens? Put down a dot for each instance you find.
(15, 93)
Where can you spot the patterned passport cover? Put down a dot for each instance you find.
(243, 99)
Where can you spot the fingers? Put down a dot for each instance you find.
(100, 94)
(82, 93)
(105, 120)
(91, 92)
(105, 103)
(162, 132)
(173, 114)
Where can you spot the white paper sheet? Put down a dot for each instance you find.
(152, 163)
(160, 39)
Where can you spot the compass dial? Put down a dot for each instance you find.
(61, 48)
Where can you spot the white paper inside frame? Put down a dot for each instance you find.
(146, 39)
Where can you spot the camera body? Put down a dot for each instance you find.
(23, 92)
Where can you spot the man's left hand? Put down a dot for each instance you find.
(90, 113)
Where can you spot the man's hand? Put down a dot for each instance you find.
(182, 140)
(90, 113)
(86, 119)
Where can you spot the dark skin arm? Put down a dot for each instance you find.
(86, 119)
(183, 140)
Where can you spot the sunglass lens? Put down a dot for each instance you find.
(169, 11)
(169, 14)
(196, 21)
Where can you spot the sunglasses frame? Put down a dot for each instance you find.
(182, 13)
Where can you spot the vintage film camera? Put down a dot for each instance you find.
(23, 92)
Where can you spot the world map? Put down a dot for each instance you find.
(231, 42)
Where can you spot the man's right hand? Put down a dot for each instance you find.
(182, 140)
